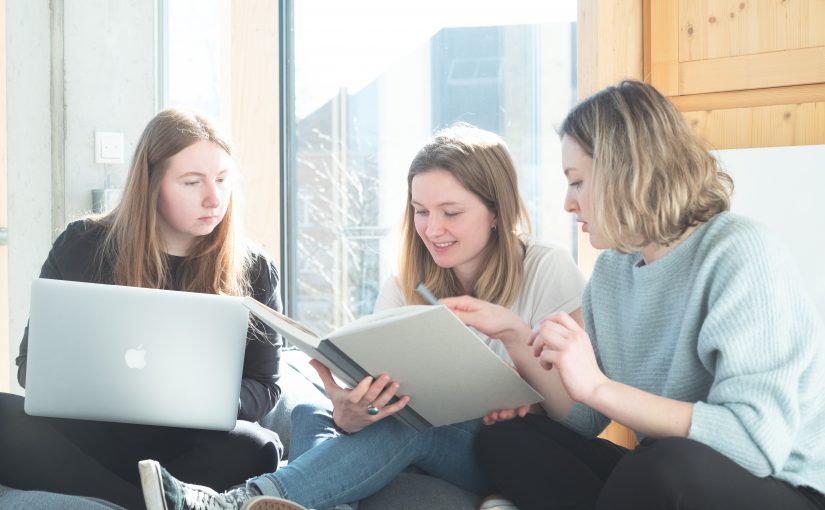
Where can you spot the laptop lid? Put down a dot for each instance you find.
(134, 355)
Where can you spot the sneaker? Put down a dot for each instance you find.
(161, 491)
(270, 503)
(497, 502)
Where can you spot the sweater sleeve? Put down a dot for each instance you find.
(755, 340)
(259, 385)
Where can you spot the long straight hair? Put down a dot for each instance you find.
(652, 176)
(480, 161)
(217, 263)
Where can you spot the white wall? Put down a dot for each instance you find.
(28, 163)
(73, 67)
(109, 85)
(781, 187)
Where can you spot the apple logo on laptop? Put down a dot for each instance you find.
(136, 358)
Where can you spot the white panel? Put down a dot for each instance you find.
(781, 187)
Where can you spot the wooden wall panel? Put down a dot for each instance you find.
(763, 126)
(251, 78)
(763, 70)
(746, 73)
(711, 29)
(662, 65)
(606, 55)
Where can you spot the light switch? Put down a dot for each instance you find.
(108, 147)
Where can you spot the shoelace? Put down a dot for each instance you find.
(198, 499)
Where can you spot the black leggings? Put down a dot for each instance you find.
(99, 459)
(540, 464)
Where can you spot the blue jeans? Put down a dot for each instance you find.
(327, 469)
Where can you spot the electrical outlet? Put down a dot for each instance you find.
(108, 147)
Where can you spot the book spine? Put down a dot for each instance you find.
(355, 372)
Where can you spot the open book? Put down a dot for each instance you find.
(448, 372)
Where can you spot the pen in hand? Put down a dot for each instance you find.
(426, 294)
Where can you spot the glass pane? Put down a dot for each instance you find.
(192, 57)
(373, 81)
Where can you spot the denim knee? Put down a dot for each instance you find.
(309, 413)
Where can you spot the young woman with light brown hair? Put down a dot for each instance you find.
(175, 228)
(464, 233)
(697, 337)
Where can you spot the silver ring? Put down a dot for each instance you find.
(372, 410)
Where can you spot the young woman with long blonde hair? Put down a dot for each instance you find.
(175, 228)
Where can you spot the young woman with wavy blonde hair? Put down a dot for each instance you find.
(696, 336)
(175, 228)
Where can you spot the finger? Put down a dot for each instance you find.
(393, 408)
(375, 389)
(536, 332)
(546, 324)
(547, 359)
(389, 392)
(552, 336)
(565, 320)
(556, 327)
(330, 386)
(522, 411)
(459, 302)
(356, 395)
(506, 414)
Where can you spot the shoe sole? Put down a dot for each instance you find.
(152, 482)
(270, 503)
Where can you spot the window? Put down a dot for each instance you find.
(191, 71)
(367, 84)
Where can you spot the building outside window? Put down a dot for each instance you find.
(368, 84)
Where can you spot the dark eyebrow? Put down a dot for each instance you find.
(201, 174)
(442, 204)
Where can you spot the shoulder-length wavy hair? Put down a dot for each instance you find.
(480, 161)
(217, 263)
(652, 176)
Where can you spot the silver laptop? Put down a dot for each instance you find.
(133, 355)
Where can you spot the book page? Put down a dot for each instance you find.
(389, 314)
(294, 331)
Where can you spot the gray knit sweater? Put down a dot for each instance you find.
(721, 321)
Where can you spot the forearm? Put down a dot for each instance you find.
(643, 412)
(556, 401)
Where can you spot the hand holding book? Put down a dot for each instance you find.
(448, 372)
(350, 405)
